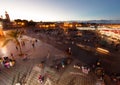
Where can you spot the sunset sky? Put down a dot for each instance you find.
(59, 10)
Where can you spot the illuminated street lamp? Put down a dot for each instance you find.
(1, 25)
(1, 29)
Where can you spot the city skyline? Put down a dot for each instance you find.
(61, 10)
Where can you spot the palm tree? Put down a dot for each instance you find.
(14, 35)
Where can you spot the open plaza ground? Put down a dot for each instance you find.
(40, 60)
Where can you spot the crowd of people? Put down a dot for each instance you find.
(7, 62)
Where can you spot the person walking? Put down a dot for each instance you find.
(12, 56)
(16, 48)
(36, 40)
(33, 45)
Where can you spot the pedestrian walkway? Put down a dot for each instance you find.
(22, 68)
(14, 74)
(33, 77)
(68, 77)
(73, 76)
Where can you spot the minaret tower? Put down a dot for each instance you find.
(7, 16)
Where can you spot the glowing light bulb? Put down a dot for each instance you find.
(4, 51)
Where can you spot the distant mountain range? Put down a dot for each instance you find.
(105, 21)
(97, 21)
